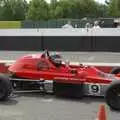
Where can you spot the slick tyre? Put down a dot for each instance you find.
(68, 90)
(115, 70)
(112, 95)
(5, 87)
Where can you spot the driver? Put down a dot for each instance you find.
(56, 59)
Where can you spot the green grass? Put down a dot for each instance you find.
(10, 24)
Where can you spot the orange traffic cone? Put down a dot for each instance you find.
(101, 113)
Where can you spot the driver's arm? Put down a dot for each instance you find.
(47, 53)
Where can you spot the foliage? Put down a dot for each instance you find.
(78, 9)
(13, 9)
(38, 10)
(41, 10)
(114, 8)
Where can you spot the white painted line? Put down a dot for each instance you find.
(7, 61)
(102, 64)
(96, 64)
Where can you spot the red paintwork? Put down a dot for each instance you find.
(27, 67)
(106, 69)
(3, 68)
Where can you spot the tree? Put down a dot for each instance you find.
(38, 10)
(53, 2)
(41, 10)
(52, 7)
(13, 9)
(114, 8)
(63, 9)
(78, 9)
(101, 11)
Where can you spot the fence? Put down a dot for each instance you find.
(54, 23)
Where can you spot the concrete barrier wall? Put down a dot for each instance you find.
(67, 43)
(105, 43)
(60, 39)
(20, 43)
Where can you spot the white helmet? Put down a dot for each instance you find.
(56, 58)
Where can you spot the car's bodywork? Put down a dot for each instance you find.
(41, 67)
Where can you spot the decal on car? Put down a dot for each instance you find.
(42, 65)
(94, 89)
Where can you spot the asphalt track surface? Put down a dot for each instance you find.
(38, 107)
(100, 57)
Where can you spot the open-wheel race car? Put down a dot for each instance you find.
(49, 74)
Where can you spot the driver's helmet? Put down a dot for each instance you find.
(56, 58)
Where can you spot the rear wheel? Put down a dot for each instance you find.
(68, 90)
(112, 95)
(5, 87)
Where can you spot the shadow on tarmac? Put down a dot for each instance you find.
(9, 102)
(87, 100)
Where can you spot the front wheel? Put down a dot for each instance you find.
(115, 70)
(112, 95)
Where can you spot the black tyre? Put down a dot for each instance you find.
(112, 95)
(115, 70)
(68, 90)
(5, 87)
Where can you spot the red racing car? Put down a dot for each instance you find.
(49, 74)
